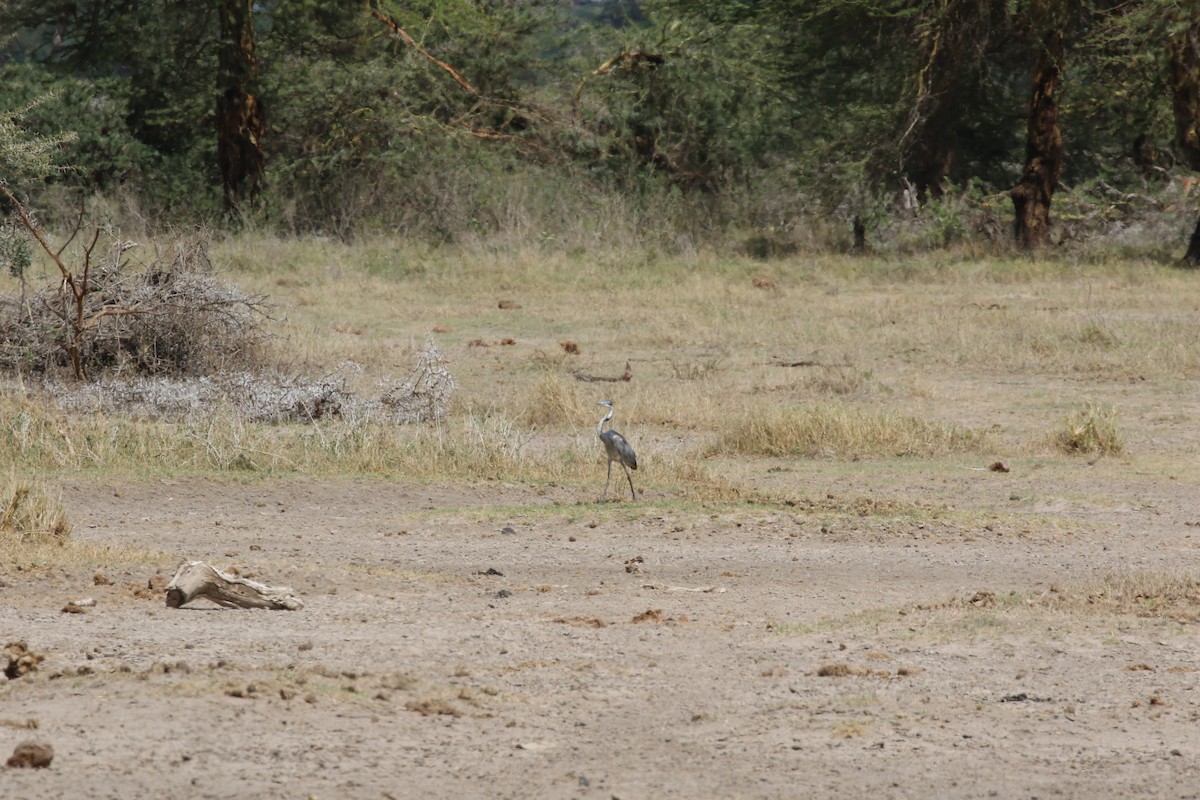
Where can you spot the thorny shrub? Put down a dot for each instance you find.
(169, 339)
(270, 395)
(172, 316)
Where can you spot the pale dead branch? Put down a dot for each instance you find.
(195, 579)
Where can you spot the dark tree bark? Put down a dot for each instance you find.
(1183, 68)
(930, 138)
(1043, 147)
(241, 123)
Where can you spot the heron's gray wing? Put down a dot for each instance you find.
(624, 450)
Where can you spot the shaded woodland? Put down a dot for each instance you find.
(779, 124)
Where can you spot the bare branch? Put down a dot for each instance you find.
(33, 229)
(404, 36)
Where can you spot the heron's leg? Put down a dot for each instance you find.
(628, 477)
(604, 496)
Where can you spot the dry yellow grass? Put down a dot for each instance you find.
(1140, 593)
(1090, 430)
(892, 357)
(29, 515)
(843, 431)
(1173, 595)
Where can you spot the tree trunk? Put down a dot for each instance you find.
(1183, 73)
(1192, 257)
(1043, 148)
(241, 123)
(930, 139)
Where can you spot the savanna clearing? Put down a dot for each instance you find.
(904, 528)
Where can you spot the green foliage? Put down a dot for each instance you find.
(95, 112)
(24, 154)
(703, 114)
(683, 98)
(16, 251)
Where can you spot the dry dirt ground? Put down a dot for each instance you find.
(497, 640)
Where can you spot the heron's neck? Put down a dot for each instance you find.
(600, 427)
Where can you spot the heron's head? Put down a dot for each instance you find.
(607, 403)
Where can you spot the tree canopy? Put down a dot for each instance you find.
(446, 118)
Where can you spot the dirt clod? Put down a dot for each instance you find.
(31, 755)
(842, 670)
(21, 660)
(432, 707)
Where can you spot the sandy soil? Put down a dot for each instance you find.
(453, 647)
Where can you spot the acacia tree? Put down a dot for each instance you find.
(1183, 68)
(1044, 149)
(241, 123)
(956, 41)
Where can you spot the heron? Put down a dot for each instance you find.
(617, 449)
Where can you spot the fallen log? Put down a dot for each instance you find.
(197, 579)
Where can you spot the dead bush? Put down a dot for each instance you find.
(167, 339)
(424, 395)
(269, 395)
(170, 316)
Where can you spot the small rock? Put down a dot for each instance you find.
(73, 608)
(503, 593)
(508, 529)
(31, 754)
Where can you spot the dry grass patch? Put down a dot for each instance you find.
(1091, 430)
(466, 445)
(843, 432)
(1138, 593)
(554, 400)
(835, 381)
(30, 515)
